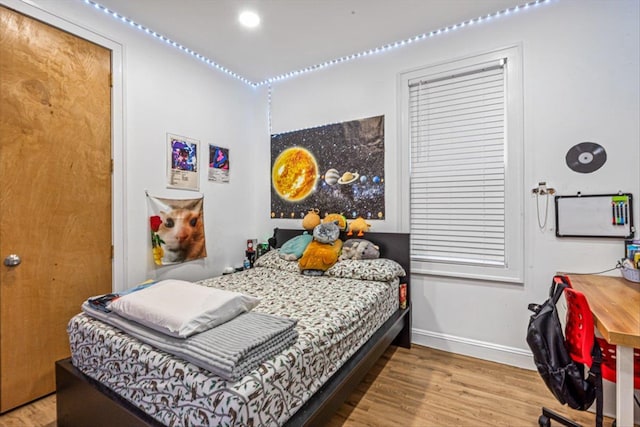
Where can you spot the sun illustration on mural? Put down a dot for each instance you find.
(294, 174)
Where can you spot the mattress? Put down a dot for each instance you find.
(335, 317)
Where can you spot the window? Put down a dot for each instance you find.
(463, 133)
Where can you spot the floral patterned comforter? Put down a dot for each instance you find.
(335, 317)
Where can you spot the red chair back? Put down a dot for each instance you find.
(579, 332)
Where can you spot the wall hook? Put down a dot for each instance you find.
(542, 189)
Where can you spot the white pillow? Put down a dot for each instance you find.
(180, 308)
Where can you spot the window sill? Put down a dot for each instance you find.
(504, 276)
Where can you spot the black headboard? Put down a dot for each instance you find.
(394, 246)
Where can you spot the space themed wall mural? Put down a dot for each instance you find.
(336, 168)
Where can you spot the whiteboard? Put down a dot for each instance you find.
(601, 215)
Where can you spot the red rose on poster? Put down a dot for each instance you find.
(155, 222)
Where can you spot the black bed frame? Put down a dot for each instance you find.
(81, 401)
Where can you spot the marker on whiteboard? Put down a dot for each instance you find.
(620, 219)
(626, 213)
(621, 207)
(613, 213)
(621, 213)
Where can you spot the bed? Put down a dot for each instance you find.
(301, 386)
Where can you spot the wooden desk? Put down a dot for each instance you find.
(615, 304)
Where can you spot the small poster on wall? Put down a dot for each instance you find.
(182, 164)
(218, 164)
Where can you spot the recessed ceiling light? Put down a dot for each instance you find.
(249, 19)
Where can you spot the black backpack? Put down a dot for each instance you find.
(562, 375)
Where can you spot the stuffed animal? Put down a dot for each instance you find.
(293, 248)
(311, 219)
(319, 257)
(326, 232)
(359, 249)
(341, 219)
(358, 225)
(323, 251)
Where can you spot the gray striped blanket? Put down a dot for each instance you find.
(230, 350)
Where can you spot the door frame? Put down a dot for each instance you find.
(118, 189)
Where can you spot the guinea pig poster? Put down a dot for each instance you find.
(177, 230)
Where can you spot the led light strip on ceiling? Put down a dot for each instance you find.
(316, 67)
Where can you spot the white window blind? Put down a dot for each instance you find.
(457, 131)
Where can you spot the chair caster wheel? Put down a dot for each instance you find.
(544, 421)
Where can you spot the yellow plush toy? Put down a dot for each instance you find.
(336, 217)
(319, 257)
(323, 251)
(358, 225)
(311, 219)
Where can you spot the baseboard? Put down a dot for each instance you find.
(480, 349)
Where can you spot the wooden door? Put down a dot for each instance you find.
(55, 195)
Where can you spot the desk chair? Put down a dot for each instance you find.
(579, 338)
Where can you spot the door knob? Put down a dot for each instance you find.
(12, 260)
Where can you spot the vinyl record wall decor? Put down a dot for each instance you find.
(586, 157)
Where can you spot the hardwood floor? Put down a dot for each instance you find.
(425, 387)
(41, 413)
(420, 387)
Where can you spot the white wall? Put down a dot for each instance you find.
(580, 62)
(160, 90)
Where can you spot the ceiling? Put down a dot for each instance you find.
(295, 34)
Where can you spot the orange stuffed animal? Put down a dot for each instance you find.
(358, 225)
(323, 251)
(340, 219)
(319, 257)
(311, 219)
